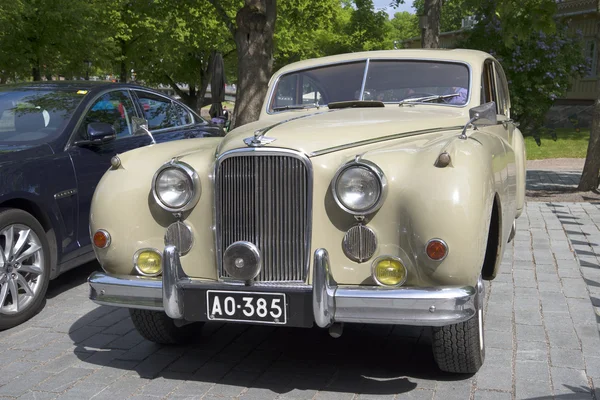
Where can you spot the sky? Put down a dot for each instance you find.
(384, 4)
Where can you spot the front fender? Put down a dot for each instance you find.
(422, 202)
(123, 205)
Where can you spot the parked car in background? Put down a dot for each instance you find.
(56, 142)
(376, 187)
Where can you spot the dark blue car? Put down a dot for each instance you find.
(56, 142)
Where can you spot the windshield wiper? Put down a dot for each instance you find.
(428, 98)
(296, 107)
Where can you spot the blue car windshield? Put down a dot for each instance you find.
(29, 116)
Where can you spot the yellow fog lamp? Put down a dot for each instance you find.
(148, 262)
(389, 271)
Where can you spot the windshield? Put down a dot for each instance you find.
(34, 116)
(388, 81)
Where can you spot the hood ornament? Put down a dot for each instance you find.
(259, 138)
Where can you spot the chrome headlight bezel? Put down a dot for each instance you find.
(379, 175)
(191, 174)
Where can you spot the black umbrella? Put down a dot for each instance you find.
(217, 86)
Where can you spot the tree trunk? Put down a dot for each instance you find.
(430, 31)
(254, 45)
(123, 74)
(36, 73)
(590, 177)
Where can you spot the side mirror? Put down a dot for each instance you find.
(484, 114)
(98, 133)
(140, 128)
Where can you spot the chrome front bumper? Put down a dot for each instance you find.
(330, 302)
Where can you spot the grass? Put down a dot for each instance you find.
(568, 144)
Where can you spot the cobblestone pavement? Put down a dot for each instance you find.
(558, 185)
(552, 180)
(541, 335)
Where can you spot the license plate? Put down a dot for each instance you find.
(265, 308)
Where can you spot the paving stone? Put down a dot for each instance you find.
(530, 333)
(532, 351)
(537, 371)
(567, 381)
(499, 339)
(37, 395)
(453, 390)
(491, 395)
(526, 389)
(567, 358)
(121, 389)
(64, 380)
(23, 383)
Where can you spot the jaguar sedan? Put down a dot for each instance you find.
(56, 142)
(376, 187)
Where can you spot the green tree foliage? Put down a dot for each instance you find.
(538, 66)
(44, 37)
(179, 48)
(453, 12)
(300, 25)
(404, 26)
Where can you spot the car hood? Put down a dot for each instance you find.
(322, 131)
(20, 152)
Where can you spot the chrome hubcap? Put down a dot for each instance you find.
(21, 268)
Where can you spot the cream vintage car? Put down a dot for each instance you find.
(377, 187)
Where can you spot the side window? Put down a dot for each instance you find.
(160, 112)
(115, 108)
(185, 118)
(488, 90)
(502, 89)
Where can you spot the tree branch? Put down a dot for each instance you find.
(223, 15)
(176, 88)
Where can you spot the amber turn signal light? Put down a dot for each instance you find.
(436, 249)
(101, 239)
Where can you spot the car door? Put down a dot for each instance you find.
(170, 120)
(90, 161)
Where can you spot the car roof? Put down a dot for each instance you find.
(70, 85)
(472, 57)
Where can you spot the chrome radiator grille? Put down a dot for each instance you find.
(265, 198)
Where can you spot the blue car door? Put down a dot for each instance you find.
(91, 161)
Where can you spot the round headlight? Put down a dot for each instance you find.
(176, 187)
(358, 187)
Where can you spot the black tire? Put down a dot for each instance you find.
(157, 327)
(10, 216)
(459, 348)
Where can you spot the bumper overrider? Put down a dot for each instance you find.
(324, 303)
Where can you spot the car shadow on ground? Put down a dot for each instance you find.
(70, 279)
(367, 359)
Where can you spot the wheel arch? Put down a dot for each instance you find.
(42, 216)
(493, 251)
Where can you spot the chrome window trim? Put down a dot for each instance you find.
(189, 171)
(171, 128)
(367, 61)
(374, 168)
(262, 151)
(136, 255)
(364, 81)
